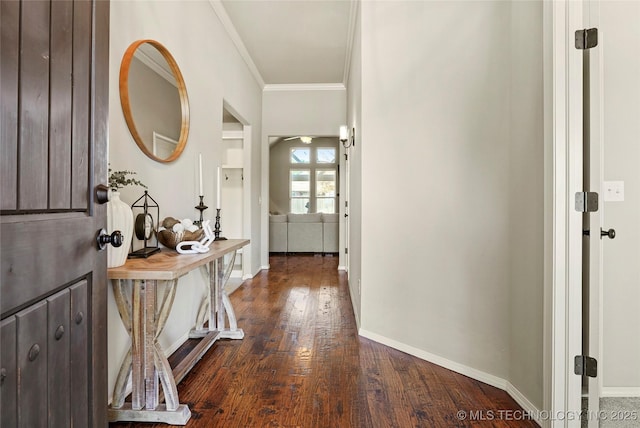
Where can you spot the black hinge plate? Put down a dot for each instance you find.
(587, 39)
(346, 251)
(586, 202)
(586, 366)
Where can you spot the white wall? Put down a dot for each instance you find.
(619, 46)
(526, 201)
(310, 110)
(297, 110)
(448, 142)
(435, 178)
(354, 121)
(213, 70)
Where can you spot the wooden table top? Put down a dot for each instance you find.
(169, 264)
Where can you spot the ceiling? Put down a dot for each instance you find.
(292, 41)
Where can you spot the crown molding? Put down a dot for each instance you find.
(304, 87)
(219, 9)
(156, 67)
(353, 16)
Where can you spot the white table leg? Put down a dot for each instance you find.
(151, 390)
(137, 348)
(233, 332)
(145, 361)
(201, 317)
(217, 314)
(217, 277)
(124, 308)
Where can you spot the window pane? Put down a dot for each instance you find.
(326, 155)
(326, 205)
(326, 182)
(300, 155)
(300, 183)
(300, 205)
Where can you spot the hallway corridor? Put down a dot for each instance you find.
(302, 364)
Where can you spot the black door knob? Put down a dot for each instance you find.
(611, 233)
(103, 239)
(102, 194)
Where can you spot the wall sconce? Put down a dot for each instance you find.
(344, 136)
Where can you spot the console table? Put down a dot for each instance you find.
(135, 288)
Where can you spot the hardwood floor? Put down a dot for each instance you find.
(302, 364)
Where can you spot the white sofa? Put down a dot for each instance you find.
(330, 228)
(303, 233)
(278, 233)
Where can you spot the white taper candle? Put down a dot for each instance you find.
(200, 171)
(219, 186)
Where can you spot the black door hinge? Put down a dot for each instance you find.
(587, 39)
(586, 202)
(586, 366)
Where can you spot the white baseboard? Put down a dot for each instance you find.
(458, 368)
(436, 359)
(247, 276)
(355, 310)
(524, 402)
(232, 285)
(341, 267)
(175, 345)
(265, 267)
(622, 391)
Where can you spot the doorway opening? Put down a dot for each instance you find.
(304, 194)
(234, 190)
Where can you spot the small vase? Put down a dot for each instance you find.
(119, 217)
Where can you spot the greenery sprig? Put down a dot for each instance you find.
(119, 179)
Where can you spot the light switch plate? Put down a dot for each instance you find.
(613, 191)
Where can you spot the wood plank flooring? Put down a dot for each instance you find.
(302, 364)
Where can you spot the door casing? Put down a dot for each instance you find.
(563, 271)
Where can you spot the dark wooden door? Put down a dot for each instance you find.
(54, 108)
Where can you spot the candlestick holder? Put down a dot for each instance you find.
(200, 207)
(216, 231)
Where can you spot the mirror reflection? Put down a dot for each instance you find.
(154, 100)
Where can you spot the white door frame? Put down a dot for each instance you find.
(563, 291)
(596, 177)
(248, 269)
(343, 210)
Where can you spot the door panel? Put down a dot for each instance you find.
(79, 353)
(620, 160)
(34, 270)
(9, 45)
(33, 112)
(60, 125)
(613, 113)
(32, 366)
(9, 376)
(54, 94)
(58, 333)
(81, 105)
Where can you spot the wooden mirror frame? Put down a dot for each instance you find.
(126, 105)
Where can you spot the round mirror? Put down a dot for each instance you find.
(154, 100)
